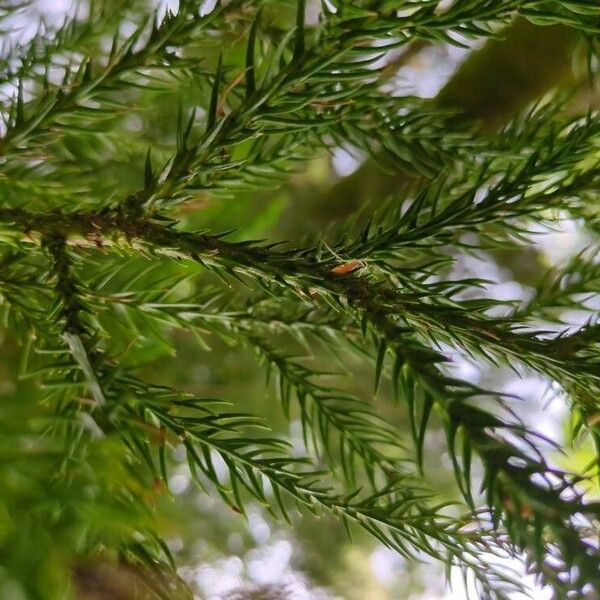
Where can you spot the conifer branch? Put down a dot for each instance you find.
(333, 420)
(305, 271)
(384, 292)
(368, 300)
(399, 516)
(532, 498)
(81, 84)
(75, 332)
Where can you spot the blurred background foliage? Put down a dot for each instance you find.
(220, 553)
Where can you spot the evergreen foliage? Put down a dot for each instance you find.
(93, 260)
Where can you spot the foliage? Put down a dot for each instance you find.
(97, 272)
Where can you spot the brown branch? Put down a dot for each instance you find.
(312, 275)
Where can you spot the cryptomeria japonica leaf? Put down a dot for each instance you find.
(144, 151)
